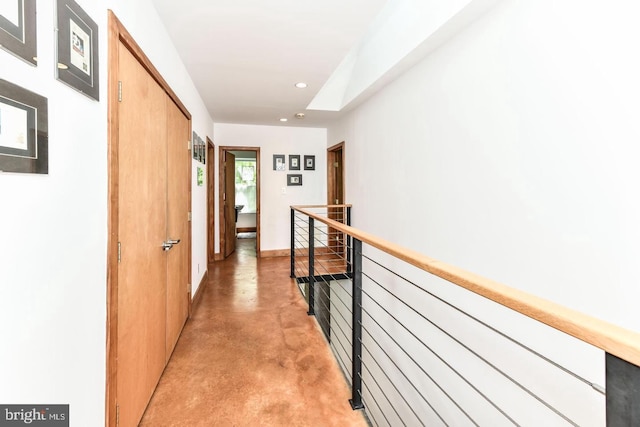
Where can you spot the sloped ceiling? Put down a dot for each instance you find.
(245, 56)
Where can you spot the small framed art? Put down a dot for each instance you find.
(194, 145)
(309, 163)
(278, 162)
(294, 179)
(77, 49)
(18, 29)
(294, 162)
(24, 135)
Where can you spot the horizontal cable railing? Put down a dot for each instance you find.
(417, 351)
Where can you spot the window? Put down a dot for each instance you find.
(246, 184)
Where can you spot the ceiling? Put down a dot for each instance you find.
(245, 56)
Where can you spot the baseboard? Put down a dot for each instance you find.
(275, 253)
(198, 295)
(246, 229)
(218, 256)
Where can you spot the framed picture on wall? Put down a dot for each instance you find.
(294, 179)
(294, 162)
(194, 145)
(18, 29)
(24, 135)
(309, 163)
(278, 162)
(77, 49)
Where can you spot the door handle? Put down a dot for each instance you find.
(173, 242)
(166, 246)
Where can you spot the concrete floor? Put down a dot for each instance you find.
(250, 356)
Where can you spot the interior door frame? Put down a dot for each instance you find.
(117, 34)
(332, 152)
(211, 205)
(222, 229)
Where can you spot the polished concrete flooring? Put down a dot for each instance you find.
(250, 356)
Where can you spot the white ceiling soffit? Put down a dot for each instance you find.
(245, 56)
(404, 33)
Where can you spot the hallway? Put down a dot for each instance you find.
(250, 356)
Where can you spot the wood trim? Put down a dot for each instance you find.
(246, 229)
(117, 34)
(275, 253)
(197, 298)
(611, 338)
(211, 206)
(219, 256)
(298, 207)
(112, 219)
(221, 152)
(330, 176)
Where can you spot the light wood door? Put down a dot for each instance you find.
(335, 196)
(229, 203)
(142, 271)
(178, 174)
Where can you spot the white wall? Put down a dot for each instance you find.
(54, 227)
(511, 152)
(274, 204)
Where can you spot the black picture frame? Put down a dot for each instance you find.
(294, 179)
(18, 33)
(24, 130)
(294, 162)
(77, 49)
(279, 162)
(194, 146)
(309, 163)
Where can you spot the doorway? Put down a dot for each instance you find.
(227, 202)
(211, 212)
(149, 243)
(336, 193)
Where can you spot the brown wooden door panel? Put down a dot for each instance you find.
(178, 175)
(142, 230)
(211, 213)
(230, 204)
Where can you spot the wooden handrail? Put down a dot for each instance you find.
(320, 206)
(611, 338)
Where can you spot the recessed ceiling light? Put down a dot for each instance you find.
(299, 115)
(283, 119)
(301, 85)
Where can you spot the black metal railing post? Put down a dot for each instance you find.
(348, 240)
(623, 392)
(293, 243)
(356, 328)
(312, 298)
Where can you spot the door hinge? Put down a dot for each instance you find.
(119, 251)
(117, 415)
(119, 91)
(188, 216)
(224, 197)
(188, 145)
(337, 201)
(336, 164)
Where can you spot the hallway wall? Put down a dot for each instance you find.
(274, 205)
(54, 227)
(511, 151)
